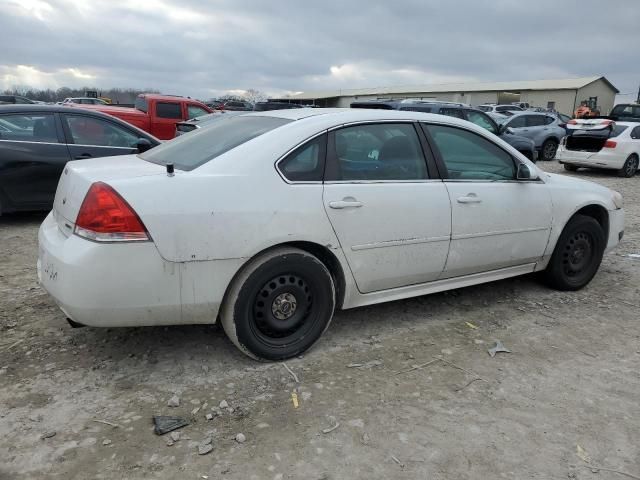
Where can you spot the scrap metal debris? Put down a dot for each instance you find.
(165, 424)
(498, 348)
(331, 429)
(295, 377)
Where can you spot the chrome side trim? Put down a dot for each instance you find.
(501, 232)
(30, 141)
(402, 242)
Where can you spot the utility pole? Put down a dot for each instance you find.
(638, 99)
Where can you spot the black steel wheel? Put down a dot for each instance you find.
(279, 305)
(577, 255)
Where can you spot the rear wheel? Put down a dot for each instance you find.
(570, 168)
(630, 167)
(279, 305)
(549, 148)
(577, 255)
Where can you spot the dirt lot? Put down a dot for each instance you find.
(572, 379)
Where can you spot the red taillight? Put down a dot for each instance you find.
(610, 144)
(105, 216)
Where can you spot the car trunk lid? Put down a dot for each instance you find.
(78, 176)
(588, 136)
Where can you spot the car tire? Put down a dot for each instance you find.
(279, 304)
(577, 255)
(549, 149)
(630, 167)
(570, 168)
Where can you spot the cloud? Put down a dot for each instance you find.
(204, 49)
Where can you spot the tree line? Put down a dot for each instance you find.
(117, 95)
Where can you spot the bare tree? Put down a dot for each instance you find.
(252, 95)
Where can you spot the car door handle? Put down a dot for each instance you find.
(469, 198)
(82, 156)
(345, 203)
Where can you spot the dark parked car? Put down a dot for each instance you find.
(624, 112)
(237, 105)
(473, 115)
(264, 106)
(36, 141)
(15, 99)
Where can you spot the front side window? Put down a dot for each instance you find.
(306, 163)
(469, 156)
(453, 112)
(35, 127)
(168, 110)
(378, 152)
(87, 130)
(517, 122)
(194, 111)
(481, 120)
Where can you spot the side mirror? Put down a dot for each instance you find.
(509, 130)
(524, 173)
(143, 145)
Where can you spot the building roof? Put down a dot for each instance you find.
(562, 84)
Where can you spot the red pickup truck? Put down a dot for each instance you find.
(156, 114)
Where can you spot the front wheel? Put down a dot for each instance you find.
(279, 304)
(630, 167)
(577, 255)
(549, 148)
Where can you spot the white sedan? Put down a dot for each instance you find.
(602, 144)
(270, 221)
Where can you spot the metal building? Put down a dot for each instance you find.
(563, 95)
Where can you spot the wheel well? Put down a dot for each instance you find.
(322, 253)
(326, 256)
(599, 214)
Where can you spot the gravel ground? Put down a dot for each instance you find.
(569, 389)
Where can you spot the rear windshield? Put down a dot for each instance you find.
(141, 104)
(190, 151)
(617, 130)
(484, 108)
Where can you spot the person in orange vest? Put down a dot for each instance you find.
(582, 111)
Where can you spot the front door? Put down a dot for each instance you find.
(497, 221)
(90, 137)
(391, 217)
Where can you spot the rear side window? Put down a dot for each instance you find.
(453, 112)
(635, 133)
(168, 110)
(377, 152)
(141, 104)
(199, 147)
(618, 129)
(548, 120)
(535, 120)
(468, 156)
(35, 127)
(306, 163)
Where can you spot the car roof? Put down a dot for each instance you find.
(529, 112)
(40, 108)
(628, 124)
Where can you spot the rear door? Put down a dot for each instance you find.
(32, 156)
(391, 212)
(88, 137)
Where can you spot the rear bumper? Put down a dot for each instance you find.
(107, 285)
(601, 159)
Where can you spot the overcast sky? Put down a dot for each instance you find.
(205, 48)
